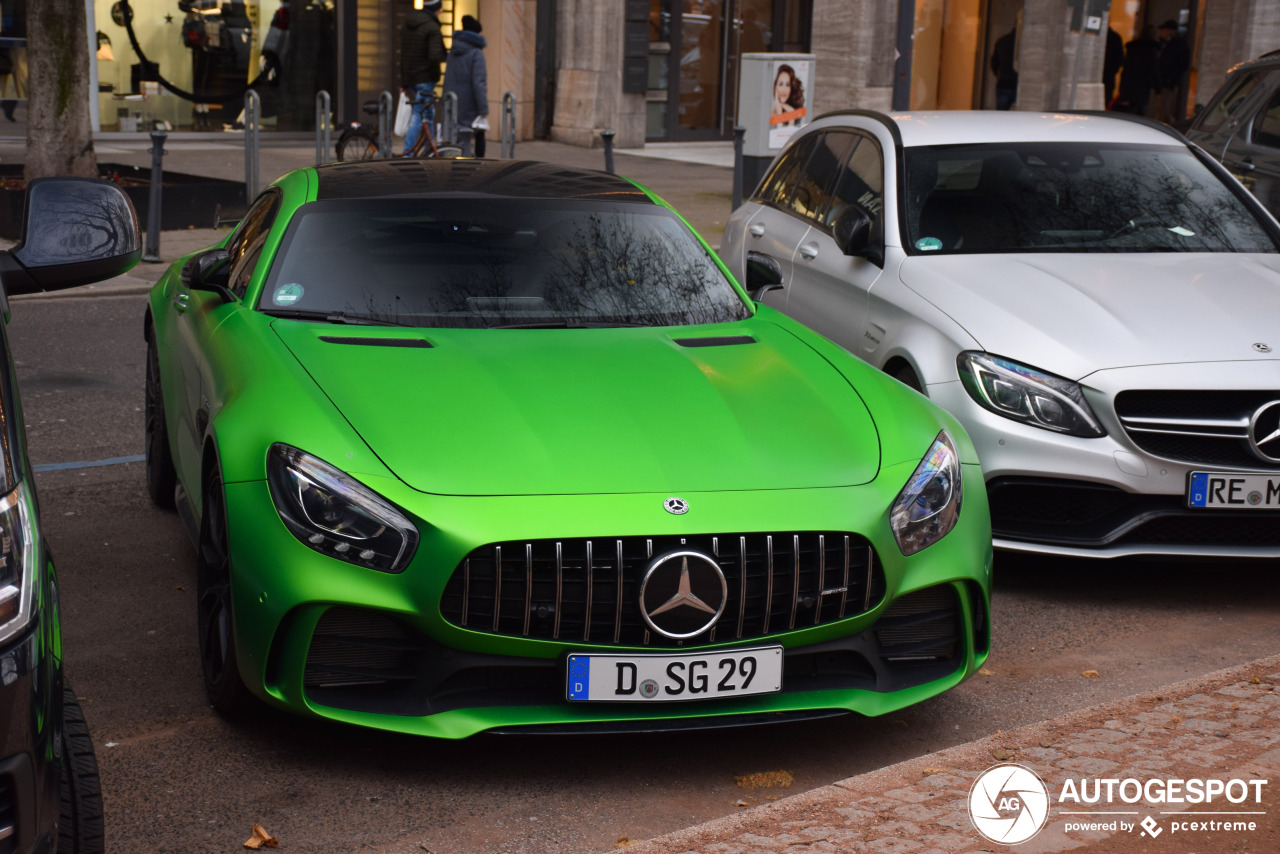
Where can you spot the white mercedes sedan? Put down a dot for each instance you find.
(1097, 300)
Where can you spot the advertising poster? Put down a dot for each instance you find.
(787, 105)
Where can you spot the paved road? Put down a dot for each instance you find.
(179, 779)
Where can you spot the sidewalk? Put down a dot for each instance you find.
(1224, 726)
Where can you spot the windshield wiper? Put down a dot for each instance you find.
(333, 317)
(564, 324)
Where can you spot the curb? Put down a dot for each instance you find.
(753, 829)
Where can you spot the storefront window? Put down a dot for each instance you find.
(13, 59)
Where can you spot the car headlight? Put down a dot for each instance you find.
(1028, 395)
(928, 507)
(335, 514)
(18, 555)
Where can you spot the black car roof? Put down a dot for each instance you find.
(525, 179)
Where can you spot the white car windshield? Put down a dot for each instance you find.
(1072, 197)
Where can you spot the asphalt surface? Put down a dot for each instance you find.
(178, 778)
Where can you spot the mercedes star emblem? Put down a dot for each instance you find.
(1262, 348)
(1264, 432)
(676, 506)
(683, 594)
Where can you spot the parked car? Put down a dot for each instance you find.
(1092, 297)
(491, 445)
(1241, 127)
(75, 232)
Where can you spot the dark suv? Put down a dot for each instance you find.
(75, 232)
(1241, 127)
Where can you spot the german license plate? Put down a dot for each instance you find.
(1230, 491)
(631, 678)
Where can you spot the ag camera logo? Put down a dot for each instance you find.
(1009, 804)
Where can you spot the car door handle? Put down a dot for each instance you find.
(182, 302)
(756, 230)
(809, 250)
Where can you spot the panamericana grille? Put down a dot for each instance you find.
(1200, 427)
(587, 590)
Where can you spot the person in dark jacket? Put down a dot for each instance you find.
(1113, 61)
(1003, 67)
(1140, 75)
(1175, 60)
(421, 54)
(467, 77)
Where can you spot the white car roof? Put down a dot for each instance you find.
(952, 127)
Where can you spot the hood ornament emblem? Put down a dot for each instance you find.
(676, 506)
(1262, 348)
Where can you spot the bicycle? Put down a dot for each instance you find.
(359, 141)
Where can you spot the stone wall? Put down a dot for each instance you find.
(589, 94)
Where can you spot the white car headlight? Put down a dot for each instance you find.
(928, 507)
(337, 515)
(19, 540)
(1028, 395)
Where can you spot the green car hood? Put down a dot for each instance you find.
(576, 411)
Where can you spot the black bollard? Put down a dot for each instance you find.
(738, 133)
(608, 135)
(151, 253)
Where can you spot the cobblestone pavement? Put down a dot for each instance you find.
(1224, 726)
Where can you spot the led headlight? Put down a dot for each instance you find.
(929, 505)
(1028, 395)
(18, 557)
(336, 515)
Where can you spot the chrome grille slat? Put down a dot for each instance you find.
(866, 605)
(557, 589)
(1199, 427)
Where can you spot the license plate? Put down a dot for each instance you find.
(1227, 491)
(629, 678)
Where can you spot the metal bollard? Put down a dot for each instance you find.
(151, 254)
(449, 121)
(324, 126)
(386, 111)
(508, 142)
(608, 135)
(738, 133)
(252, 112)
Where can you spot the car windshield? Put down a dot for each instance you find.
(1072, 197)
(475, 263)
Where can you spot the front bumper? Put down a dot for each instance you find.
(302, 617)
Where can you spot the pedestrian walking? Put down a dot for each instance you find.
(1004, 67)
(467, 77)
(1175, 60)
(1140, 76)
(421, 55)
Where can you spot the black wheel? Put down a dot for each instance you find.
(356, 144)
(447, 151)
(80, 817)
(214, 616)
(907, 377)
(161, 476)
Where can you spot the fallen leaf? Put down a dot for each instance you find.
(1254, 680)
(1090, 674)
(930, 771)
(1001, 754)
(982, 671)
(1177, 720)
(765, 780)
(261, 839)
(624, 842)
(1046, 744)
(180, 587)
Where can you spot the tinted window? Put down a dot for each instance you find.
(1236, 91)
(466, 262)
(778, 184)
(246, 242)
(861, 181)
(1072, 197)
(1266, 127)
(814, 181)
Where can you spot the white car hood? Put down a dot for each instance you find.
(1074, 314)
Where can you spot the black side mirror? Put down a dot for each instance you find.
(764, 274)
(209, 270)
(75, 231)
(854, 231)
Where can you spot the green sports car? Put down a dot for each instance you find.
(495, 445)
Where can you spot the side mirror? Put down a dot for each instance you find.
(75, 231)
(854, 232)
(764, 274)
(209, 270)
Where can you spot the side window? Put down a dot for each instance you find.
(1266, 127)
(861, 181)
(818, 175)
(1237, 91)
(246, 243)
(778, 184)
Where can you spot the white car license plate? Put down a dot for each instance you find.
(640, 678)
(1230, 491)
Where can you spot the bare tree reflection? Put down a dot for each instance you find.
(73, 220)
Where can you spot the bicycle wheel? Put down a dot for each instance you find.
(356, 144)
(446, 151)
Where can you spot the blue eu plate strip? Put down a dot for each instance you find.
(1199, 490)
(579, 677)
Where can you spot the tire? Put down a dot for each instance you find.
(356, 144)
(80, 815)
(215, 620)
(161, 476)
(907, 377)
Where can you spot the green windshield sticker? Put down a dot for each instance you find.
(928, 244)
(287, 294)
